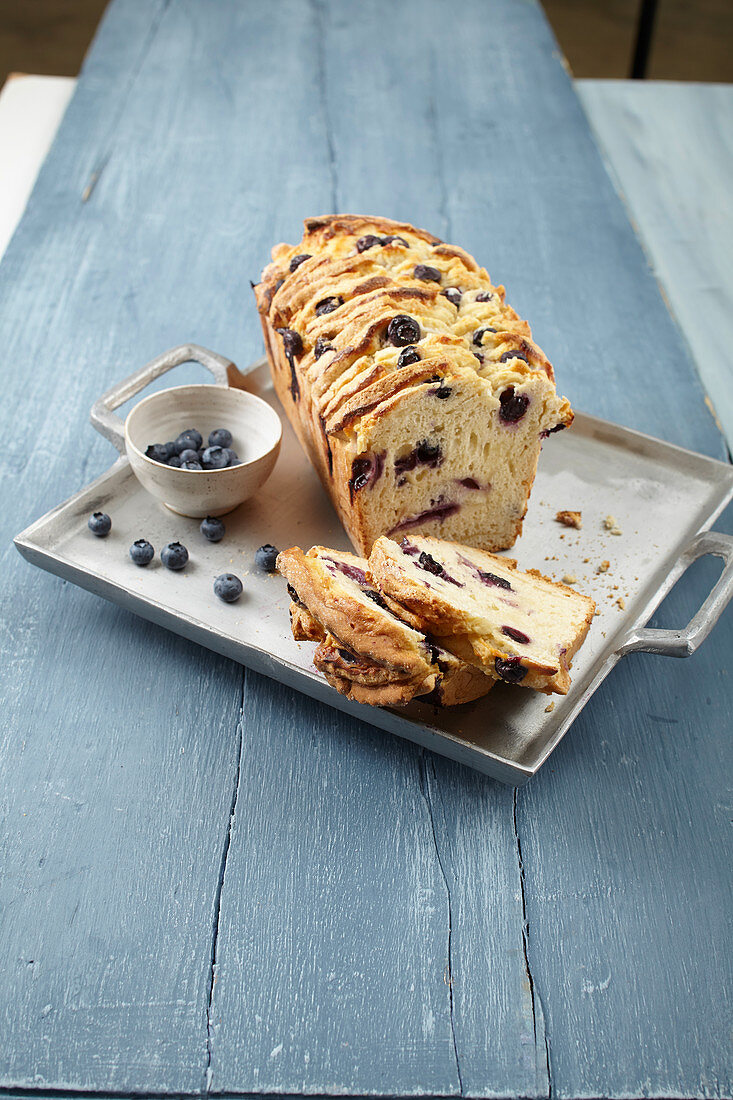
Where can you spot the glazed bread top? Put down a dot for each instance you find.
(366, 307)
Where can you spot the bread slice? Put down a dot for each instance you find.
(415, 390)
(519, 626)
(367, 651)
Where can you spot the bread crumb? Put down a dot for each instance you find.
(616, 531)
(585, 561)
(604, 567)
(610, 522)
(569, 578)
(570, 519)
(550, 707)
(596, 612)
(621, 602)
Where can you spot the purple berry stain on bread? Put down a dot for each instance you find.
(510, 669)
(469, 483)
(430, 565)
(426, 273)
(551, 431)
(353, 572)
(516, 635)
(292, 346)
(403, 330)
(298, 260)
(365, 471)
(328, 305)
(424, 453)
(440, 512)
(513, 405)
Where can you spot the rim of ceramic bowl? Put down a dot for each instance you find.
(251, 397)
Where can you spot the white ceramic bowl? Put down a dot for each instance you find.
(256, 433)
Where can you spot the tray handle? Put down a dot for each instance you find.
(683, 643)
(112, 427)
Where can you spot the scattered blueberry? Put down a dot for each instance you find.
(408, 356)
(212, 529)
(214, 458)
(453, 294)
(175, 461)
(142, 552)
(328, 305)
(403, 330)
(478, 336)
(228, 587)
(513, 405)
(367, 241)
(510, 669)
(233, 458)
(298, 260)
(220, 437)
(100, 524)
(188, 454)
(427, 274)
(191, 433)
(191, 466)
(174, 556)
(265, 558)
(322, 346)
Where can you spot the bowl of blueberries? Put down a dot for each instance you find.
(202, 450)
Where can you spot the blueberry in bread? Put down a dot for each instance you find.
(519, 626)
(367, 651)
(416, 391)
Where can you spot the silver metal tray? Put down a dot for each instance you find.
(663, 498)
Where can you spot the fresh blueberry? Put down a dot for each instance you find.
(212, 529)
(192, 433)
(189, 455)
(174, 556)
(158, 452)
(228, 587)
(265, 558)
(100, 524)
(403, 330)
(186, 441)
(233, 458)
(322, 346)
(367, 241)
(220, 437)
(513, 405)
(510, 669)
(174, 460)
(427, 274)
(328, 305)
(191, 466)
(141, 552)
(408, 356)
(214, 458)
(298, 260)
(453, 294)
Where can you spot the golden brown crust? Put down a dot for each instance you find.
(304, 627)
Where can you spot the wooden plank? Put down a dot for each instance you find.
(119, 741)
(671, 154)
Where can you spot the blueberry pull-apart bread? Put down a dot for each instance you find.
(519, 626)
(366, 650)
(416, 391)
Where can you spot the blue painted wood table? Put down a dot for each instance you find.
(210, 884)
